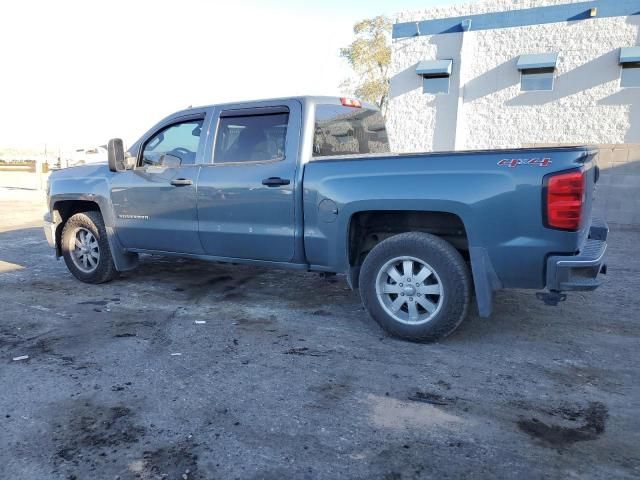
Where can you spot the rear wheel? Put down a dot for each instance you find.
(416, 286)
(85, 248)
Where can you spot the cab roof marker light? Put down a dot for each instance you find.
(350, 102)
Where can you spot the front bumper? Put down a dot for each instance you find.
(580, 272)
(50, 230)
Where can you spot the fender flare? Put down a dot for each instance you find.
(122, 259)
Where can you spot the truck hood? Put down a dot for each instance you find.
(87, 170)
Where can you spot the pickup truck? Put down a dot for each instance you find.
(309, 183)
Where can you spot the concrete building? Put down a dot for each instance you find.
(514, 73)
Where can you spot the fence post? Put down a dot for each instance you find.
(39, 172)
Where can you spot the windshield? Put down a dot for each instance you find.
(343, 130)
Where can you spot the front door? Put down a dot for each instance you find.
(155, 204)
(246, 194)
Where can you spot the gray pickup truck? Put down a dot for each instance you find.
(309, 183)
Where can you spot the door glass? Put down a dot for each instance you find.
(251, 138)
(173, 146)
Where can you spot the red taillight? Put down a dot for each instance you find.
(350, 102)
(564, 200)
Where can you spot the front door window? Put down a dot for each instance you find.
(173, 146)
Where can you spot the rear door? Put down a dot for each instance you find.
(155, 203)
(246, 190)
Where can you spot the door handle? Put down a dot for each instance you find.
(275, 181)
(181, 182)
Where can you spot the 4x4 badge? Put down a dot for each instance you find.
(514, 162)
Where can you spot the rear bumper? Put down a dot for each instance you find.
(580, 272)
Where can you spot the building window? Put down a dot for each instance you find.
(630, 77)
(435, 76)
(435, 85)
(630, 61)
(538, 79)
(537, 71)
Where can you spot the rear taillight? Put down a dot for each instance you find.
(564, 200)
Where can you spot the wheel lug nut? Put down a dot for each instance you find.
(419, 295)
(401, 285)
(411, 299)
(402, 294)
(409, 280)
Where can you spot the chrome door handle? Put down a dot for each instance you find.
(181, 182)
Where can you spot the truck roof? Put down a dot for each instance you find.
(306, 100)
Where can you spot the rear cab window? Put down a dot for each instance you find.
(341, 130)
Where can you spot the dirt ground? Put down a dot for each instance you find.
(290, 378)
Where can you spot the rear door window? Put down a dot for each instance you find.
(251, 138)
(343, 130)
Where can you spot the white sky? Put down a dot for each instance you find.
(81, 72)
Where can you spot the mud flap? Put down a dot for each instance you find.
(485, 280)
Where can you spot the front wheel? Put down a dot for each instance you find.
(416, 286)
(85, 248)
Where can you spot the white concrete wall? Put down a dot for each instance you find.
(418, 121)
(485, 108)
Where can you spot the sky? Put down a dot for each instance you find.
(76, 73)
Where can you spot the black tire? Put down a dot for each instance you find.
(92, 221)
(452, 276)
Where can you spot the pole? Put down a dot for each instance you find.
(39, 170)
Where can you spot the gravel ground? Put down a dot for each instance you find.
(289, 377)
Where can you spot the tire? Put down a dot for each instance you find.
(429, 309)
(98, 266)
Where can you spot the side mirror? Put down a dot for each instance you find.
(170, 161)
(115, 153)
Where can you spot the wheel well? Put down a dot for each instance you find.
(65, 209)
(367, 229)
